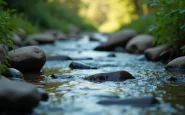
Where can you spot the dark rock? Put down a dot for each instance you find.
(145, 101)
(39, 38)
(111, 76)
(60, 57)
(17, 96)
(13, 73)
(111, 55)
(27, 59)
(76, 65)
(43, 95)
(139, 44)
(172, 79)
(118, 39)
(176, 65)
(60, 76)
(154, 54)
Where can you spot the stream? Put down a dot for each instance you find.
(72, 95)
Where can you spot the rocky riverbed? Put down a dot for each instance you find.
(80, 80)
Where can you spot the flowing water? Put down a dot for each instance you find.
(71, 95)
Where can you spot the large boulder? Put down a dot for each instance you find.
(118, 39)
(154, 54)
(17, 96)
(111, 76)
(176, 65)
(29, 59)
(39, 38)
(139, 44)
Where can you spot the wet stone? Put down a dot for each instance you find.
(111, 55)
(60, 57)
(60, 76)
(111, 76)
(145, 101)
(76, 65)
(176, 65)
(43, 95)
(13, 74)
(172, 79)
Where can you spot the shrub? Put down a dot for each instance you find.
(170, 22)
(141, 25)
(6, 28)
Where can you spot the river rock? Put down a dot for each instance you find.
(57, 34)
(154, 54)
(111, 55)
(145, 101)
(73, 31)
(16, 39)
(39, 38)
(43, 95)
(17, 96)
(21, 32)
(139, 44)
(176, 65)
(13, 74)
(59, 57)
(111, 76)
(76, 65)
(29, 59)
(118, 39)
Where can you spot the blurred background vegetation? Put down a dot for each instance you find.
(89, 15)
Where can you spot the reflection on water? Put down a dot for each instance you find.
(76, 96)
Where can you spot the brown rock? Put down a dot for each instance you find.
(17, 96)
(111, 76)
(118, 39)
(154, 54)
(30, 58)
(176, 65)
(139, 44)
(39, 38)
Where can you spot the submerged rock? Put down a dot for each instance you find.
(118, 39)
(59, 57)
(111, 76)
(145, 101)
(43, 95)
(176, 65)
(139, 44)
(29, 59)
(111, 55)
(154, 54)
(13, 73)
(17, 96)
(76, 65)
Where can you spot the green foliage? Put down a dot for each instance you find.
(49, 15)
(6, 28)
(20, 22)
(170, 22)
(141, 24)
